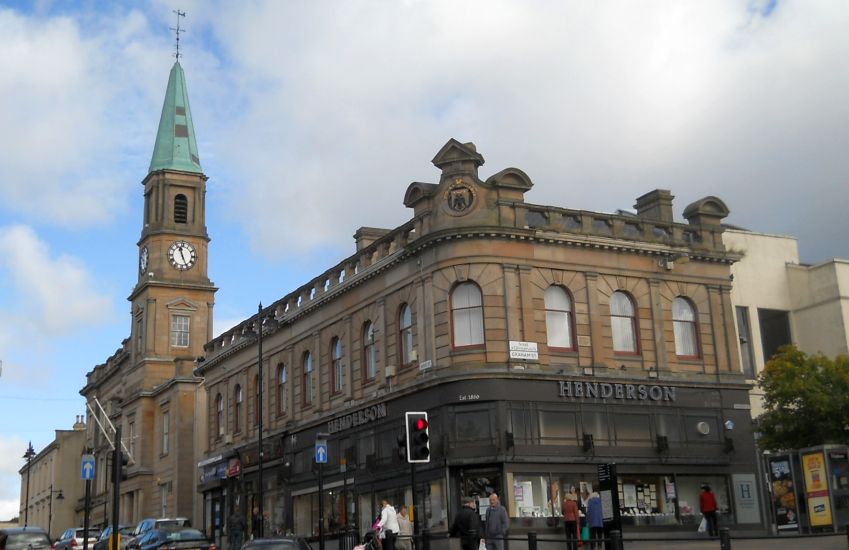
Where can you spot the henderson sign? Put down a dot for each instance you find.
(604, 390)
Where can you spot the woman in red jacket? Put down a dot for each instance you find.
(571, 517)
(707, 505)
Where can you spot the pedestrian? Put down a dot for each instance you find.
(595, 520)
(497, 524)
(388, 525)
(236, 529)
(467, 525)
(256, 524)
(571, 519)
(707, 505)
(405, 531)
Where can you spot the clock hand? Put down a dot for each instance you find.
(183, 255)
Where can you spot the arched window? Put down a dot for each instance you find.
(219, 415)
(338, 367)
(257, 397)
(369, 352)
(237, 409)
(623, 323)
(405, 333)
(684, 327)
(181, 209)
(467, 315)
(559, 323)
(308, 381)
(281, 388)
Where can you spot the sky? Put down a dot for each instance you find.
(312, 118)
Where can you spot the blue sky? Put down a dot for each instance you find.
(313, 117)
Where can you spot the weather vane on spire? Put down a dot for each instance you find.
(178, 30)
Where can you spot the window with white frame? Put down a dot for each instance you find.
(131, 428)
(623, 323)
(405, 334)
(238, 398)
(180, 330)
(338, 367)
(308, 378)
(219, 415)
(282, 378)
(684, 328)
(467, 315)
(369, 352)
(558, 318)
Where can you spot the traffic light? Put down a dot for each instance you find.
(418, 440)
(119, 469)
(402, 447)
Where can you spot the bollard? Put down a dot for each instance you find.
(425, 539)
(616, 539)
(532, 540)
(724, 538)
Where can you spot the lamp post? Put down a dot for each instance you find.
(259, 414)
(59, 496)
(28, 455)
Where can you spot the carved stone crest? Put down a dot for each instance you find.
(459, 196)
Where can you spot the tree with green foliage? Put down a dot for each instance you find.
(806, 398)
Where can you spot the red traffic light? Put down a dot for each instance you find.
(421, 424)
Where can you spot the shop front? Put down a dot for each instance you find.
(532, 441)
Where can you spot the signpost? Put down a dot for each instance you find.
(88, 467)
(320, 459)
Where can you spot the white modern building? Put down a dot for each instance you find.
(778, 300)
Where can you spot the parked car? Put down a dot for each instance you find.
(277, 543)
(24, 538)
(124, 530)
(148, 524)
(74, 537)
(174, 538)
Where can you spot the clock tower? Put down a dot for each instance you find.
(173, 298)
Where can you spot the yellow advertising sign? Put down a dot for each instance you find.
(816, 484)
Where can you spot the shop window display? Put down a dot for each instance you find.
(647, 500)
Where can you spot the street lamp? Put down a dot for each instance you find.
(259, 410)
(28, 455)
(59, 496)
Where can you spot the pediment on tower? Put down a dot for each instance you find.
(182, 304)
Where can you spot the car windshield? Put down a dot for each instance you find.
(186, 534)
(21, 541)
(276, 545)
(92, 533)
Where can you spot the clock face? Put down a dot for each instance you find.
(182, 255)
(144, 256)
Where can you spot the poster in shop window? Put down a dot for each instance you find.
(816, 483)
(783, 489)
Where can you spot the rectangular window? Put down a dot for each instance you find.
(163, 497)
(775, 330)
(632, 430)
(165, 432)
(180, 331)
(557, 428)
(132, 437)
(744, 332)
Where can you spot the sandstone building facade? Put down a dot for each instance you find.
(542, 341)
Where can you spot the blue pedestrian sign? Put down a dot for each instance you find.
(87, 467)
(321, 452)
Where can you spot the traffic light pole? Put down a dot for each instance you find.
(415, 508)
(86, 514)
(116, 488)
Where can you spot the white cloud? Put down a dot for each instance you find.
(55, 293)
(11, 451)
(344, 105)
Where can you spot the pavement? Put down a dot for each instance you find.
(787, 542)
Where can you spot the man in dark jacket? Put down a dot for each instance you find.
(497, 524)
(467, 525)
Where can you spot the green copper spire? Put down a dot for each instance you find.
(176, 148)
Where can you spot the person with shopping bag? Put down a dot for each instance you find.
(707, 505)
(595, 520)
